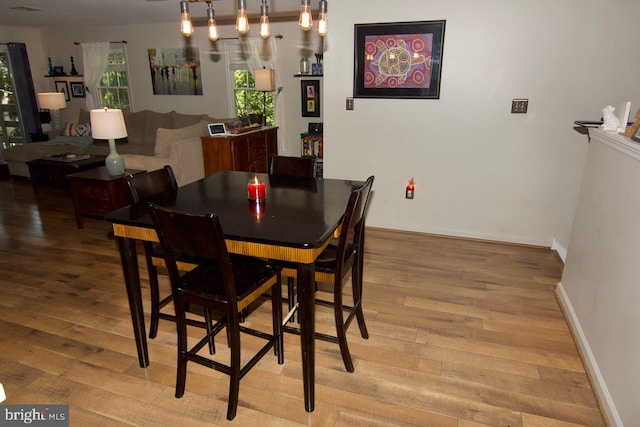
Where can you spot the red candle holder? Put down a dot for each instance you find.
(256, 189)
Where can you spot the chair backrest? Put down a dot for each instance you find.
(352, 231)
(292, 166)
(147, 186)
(198, 235)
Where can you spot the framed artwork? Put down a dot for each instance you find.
(175, 71)
(62, 86)
(398, 60)
(77, 89)
(310, 98)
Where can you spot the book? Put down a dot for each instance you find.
(67, 157)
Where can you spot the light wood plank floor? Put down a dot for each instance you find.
(463, 333)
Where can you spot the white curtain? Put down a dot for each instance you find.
(94, 59)
(264, 54)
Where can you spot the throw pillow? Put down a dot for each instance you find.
(166, 137)
(76, 129)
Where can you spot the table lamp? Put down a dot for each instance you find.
(54, 102)
(265, 82)
(109, 124)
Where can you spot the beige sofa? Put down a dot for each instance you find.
(154, 140)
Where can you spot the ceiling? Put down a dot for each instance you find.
(55, 13)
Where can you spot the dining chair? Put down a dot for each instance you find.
(221, 283)
(147, 187)
(333, 265)
(288, 166)
(292, 166)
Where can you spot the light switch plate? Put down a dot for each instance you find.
(349, 103)
(519, 106)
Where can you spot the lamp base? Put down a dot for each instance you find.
(114, 161)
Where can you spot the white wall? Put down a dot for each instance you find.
(599, 289)
(481, 171)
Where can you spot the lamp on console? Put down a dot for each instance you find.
(265, 82)
(54, 102)
(109, 124)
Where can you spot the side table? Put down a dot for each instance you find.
(96, 193)
(53, 173)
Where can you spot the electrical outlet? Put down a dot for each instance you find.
(519, 106)
(349, 103)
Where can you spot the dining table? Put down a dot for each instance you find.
(294, 222)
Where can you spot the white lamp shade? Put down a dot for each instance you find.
(107, 124)
(52, 101)
(265, 80)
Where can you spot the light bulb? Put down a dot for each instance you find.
(322, 18)
(186, 28)
(211, 23)
(265, 31)
(242, 22)
(305, 21)
(213, 30)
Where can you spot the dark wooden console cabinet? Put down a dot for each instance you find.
(243, 152)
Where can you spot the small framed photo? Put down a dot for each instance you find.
(310, 98)
(398, 60)
(636, 134)
(62, 86)
(77, 89)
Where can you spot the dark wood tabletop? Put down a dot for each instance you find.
(297, 212)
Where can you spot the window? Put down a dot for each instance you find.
(113, 88)
(10, 127)
(248, 100)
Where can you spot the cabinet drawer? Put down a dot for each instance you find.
(98, 192)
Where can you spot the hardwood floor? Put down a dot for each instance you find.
(462, 333)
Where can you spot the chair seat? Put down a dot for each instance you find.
(326, 261)
(206, 278)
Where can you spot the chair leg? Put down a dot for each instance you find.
(155, 291)
(356, 282)
(234, 374)
(291, 297)
(209, 326)
(181, 326)
(276, 311)
(340, 329)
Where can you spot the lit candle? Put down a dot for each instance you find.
(256, 190)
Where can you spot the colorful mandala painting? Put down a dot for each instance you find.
(397, 61)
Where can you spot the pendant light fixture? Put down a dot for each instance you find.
(322, 18)
(211, 23)
(265, 31)
(305, 20)
(242, 21)
(186, 28)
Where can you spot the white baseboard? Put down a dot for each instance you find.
(562, 251)
(609, 408)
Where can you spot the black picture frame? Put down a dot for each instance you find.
(398, 59)
(636, 134)
(77, 89)
(310, 98)
(62, 86)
